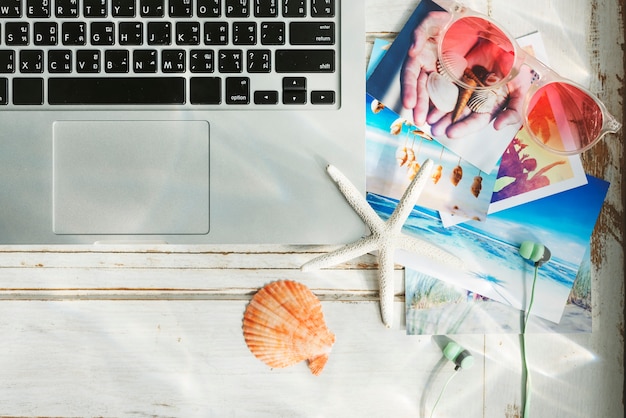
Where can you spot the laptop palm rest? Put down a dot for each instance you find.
(130, 177)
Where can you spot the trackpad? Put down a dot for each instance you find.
(131, 177)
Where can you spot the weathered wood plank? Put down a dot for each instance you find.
(189, 359)
(168, 260)
(206, 284)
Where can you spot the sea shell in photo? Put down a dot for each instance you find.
(284, 325)
(421, 133)
(402, 155)
(465, 94)
(457, 175)
(414, 168)
(410, 156)
(376, 106)
(437, 174)
(396, 126)
(477, 186)
(443, 93)
(486, 101)
(452, 64)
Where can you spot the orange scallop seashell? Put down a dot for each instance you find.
(284, 325)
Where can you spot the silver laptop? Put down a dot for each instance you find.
(179, 121)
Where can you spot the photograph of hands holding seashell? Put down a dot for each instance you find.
(452, 110)
(456, 94)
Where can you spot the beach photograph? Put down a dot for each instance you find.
(435, 307)
(493, 267)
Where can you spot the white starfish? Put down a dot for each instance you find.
(386, 236)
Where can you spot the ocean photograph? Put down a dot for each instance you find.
(435, 307)
(493, 267)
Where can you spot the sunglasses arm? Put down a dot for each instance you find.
(450, 6)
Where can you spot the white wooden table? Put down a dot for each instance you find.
(156, 331)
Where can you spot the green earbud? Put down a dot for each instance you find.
(458, 355)
(535, 252)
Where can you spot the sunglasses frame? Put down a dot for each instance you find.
(542, 76)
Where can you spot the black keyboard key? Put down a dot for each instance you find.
(116, 90)
(16, 33)
(145, 60)
(205, 90)
(59, 61)
(7, 61)
(27, 91)
(31, 61)
(130, 33)
(180, 8)
(94, 8)
(259, 61)
(38, 8)
(266, 8)
(312, 33)
(244, 33)
(122, 8)
(45, 33)
(294, 97)
(230, 60)
(88, 61)
(265, 97)
(304, 60)
(173, 61)
(102, 33)
(237, 8)
(73, 33)
(10, 8)
(215, 33)
(209, 8)
(294, 8)
(116, 61)
(322, 97)
(322, 8)
(187, 33)
(237, 90)
(159, 33)
(273, 33)
(151, 8)
(201, 61)
(66, 8)
(294, 83)
(4, 91)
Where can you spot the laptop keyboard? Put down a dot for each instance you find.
(172, 53)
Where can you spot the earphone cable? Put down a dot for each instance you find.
(527, 384)
(443, 389)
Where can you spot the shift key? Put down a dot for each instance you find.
(305, 61)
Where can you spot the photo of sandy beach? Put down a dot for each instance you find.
(435, 307)
(489, 249)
